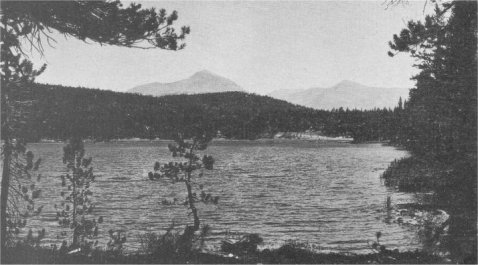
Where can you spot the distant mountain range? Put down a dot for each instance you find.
(199, 83)
(346, 94)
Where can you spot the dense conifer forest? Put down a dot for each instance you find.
(439, 121)
(437, 125)
(57, 112)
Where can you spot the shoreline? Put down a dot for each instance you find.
(453, 188)
(286, 254)
(321, 139)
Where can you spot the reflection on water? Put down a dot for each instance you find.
(326, 194)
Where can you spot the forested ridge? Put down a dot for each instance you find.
(437, 125)
(58, 112)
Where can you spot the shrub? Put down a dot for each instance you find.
(246, 245)
(172, 246)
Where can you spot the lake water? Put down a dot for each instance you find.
(326, 194)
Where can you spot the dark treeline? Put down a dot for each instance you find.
(59, 112)
(439, 120)
(438, 124)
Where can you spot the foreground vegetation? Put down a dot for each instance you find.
(438, 124)
(22, 22)
(286, 254)
(452, 192)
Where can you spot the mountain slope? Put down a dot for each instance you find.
(346, 94)
(199, 83)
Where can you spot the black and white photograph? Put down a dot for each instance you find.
(238, 132)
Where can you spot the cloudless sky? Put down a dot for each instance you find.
(262, 46)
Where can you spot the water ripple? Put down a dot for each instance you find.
(326, 194)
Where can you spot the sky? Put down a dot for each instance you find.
(262, 46)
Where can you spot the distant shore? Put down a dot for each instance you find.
(304, 136)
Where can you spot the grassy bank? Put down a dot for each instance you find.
(452, 182)
(453, 179)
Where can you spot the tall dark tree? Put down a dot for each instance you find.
(442, 107)
(439, 120)
(34, 22)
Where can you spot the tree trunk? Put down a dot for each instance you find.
(75, 225)
(7, 156)
(191, 204)
(190, 192)
(4, 196)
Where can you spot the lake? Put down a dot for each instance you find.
(327, 194)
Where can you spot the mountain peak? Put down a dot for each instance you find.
(204, 73)
(203, 81)
(346, 94)
(347, 83)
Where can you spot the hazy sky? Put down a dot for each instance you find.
(262, 46)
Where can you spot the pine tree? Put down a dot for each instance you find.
(442, 107)
(438, 123)
(98, 21)
(184, 171)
